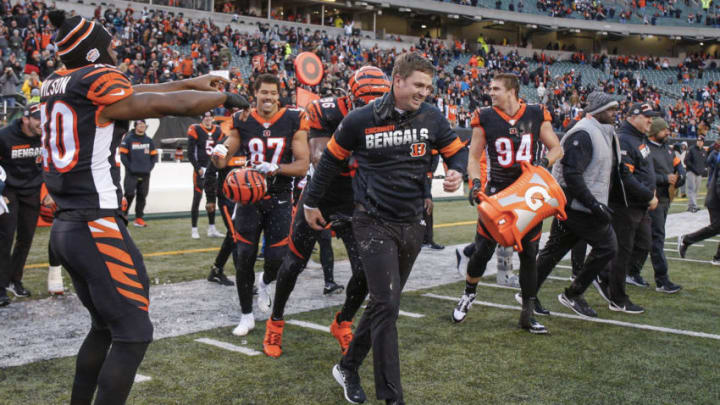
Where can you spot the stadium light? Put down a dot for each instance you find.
(360, 3)
(702, 44)
(404, 10)
(477, 18)
(531, 25)
(423, 26)
(455, 16)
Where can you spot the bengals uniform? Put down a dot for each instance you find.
(270, 141)
(89, 234)
(200, 145)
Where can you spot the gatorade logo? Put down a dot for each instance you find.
(533, 201)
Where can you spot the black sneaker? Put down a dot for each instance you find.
(4, 299)
(636, 280)
(715, 261)
(18, 289)
(538, 310)
(627, 307)
(529, 323)
(681, 246)
(577, 305)
(332, 288)
(350, 381)
(602, 289)
(217, 276)
(435, 246)
(667, 286)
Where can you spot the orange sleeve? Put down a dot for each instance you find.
(153, 152)
(452, 148)
(631, 167)
(338, 151)
(483, 169)
(676, 161)
(546, 114)
(191, 132)
(110, 87)
(313, 115)
(123, 149)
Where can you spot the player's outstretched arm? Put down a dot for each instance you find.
(200, 83)
(156, 105)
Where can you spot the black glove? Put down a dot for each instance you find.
(339, 221)
(602, 211)
(235, 100)
(544, 162)
(474, 190)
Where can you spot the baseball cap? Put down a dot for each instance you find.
(32, 110)
(658, 124)
(644, 109)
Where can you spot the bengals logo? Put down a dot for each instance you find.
(418, 149)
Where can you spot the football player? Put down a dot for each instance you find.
(323, 117)
(84, 112)
(275, 142)
(201, 141)
(509, 132)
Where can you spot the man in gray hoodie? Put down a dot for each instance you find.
(586, 171)
(8, 86)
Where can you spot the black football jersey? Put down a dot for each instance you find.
(510, 140)
(79, 162)
(201, 142)
(324, 116)
(270, 140)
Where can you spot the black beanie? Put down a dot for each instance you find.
(80, 42)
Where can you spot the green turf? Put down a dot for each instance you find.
(487, 359)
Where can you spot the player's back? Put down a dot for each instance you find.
(79, 151)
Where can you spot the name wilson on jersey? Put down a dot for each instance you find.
(389, 138)
(54, 87)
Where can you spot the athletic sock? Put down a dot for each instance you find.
(470, 288)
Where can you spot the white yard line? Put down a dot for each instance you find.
(596, 320)
(411, 314)
(139, 378)
(559, 278)
(309, 325)
(228, 346)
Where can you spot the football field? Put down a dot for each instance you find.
(667, 355)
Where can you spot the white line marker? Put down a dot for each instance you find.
(667, 242)
(411, 314)
(680, 259)
(228, 346)
(562, 266)
(560, 278)
(141, 378)
(597, 320)
(309, 325)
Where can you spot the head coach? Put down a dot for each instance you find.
(391, 139)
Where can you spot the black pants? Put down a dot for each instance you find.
(632, 230)
(226, 207)
(485, 248)
(301, 241)
(657, 218)
(22, 219)
(428, 237)
(565, 235)
(388, 252)
(198, 185)
(577, 257)
(137, 184)
(327, 258)
(708, 231)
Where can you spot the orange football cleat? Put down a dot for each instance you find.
(272, 344)
(342, 332)
(140, 223)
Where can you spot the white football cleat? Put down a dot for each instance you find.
(247, 323)
(55, 281)
(264, 301)
(195, 234)
(214, 233)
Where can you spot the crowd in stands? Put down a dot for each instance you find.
(705, 12)
(156, 47)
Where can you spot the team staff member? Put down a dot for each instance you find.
(668, 171)
(275, 141)
(201, 140)
(20, 150)
(712, 202)
(138, 155)
(511, 132)
(630, 205)
(590, 161)
(695, 164)
(324, 117)
(89, 234)
(391, 140)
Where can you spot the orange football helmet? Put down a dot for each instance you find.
(245, 186)
(510, 214)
